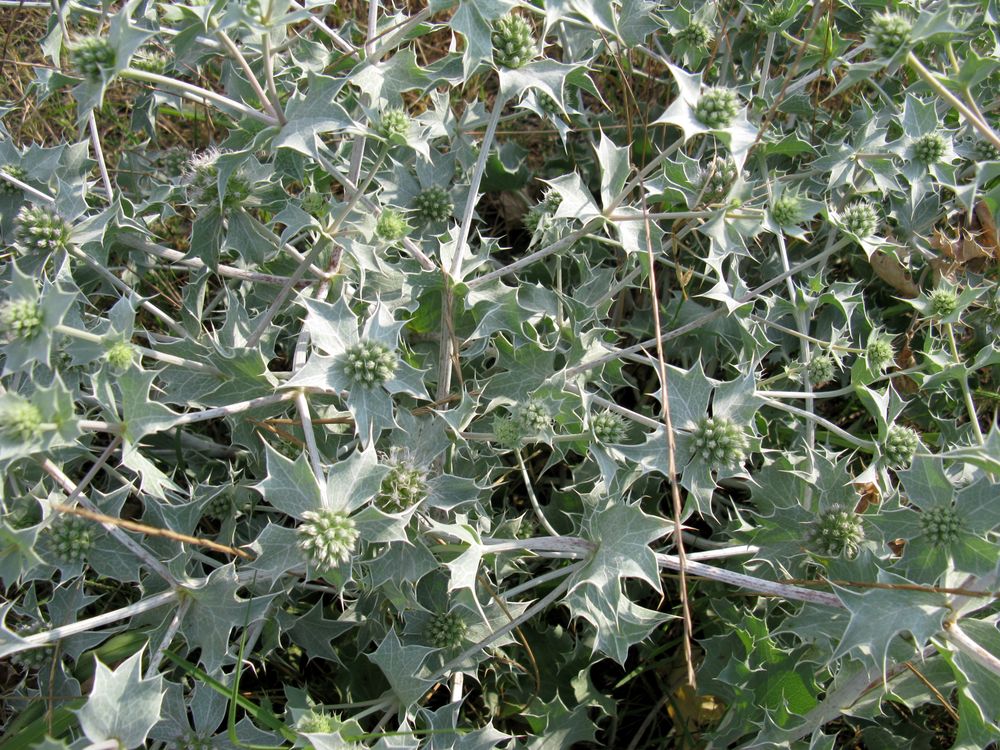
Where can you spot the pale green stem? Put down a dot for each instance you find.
(169, 359)
(865, 445)
(307, 428)
(102, 165)
(198, 93)
(225, 411)
(172, 324)
(258, 90)
(118, 533)
(941, 90)
(970, 405)
(806, 337)
(703, 319)
(531, 495)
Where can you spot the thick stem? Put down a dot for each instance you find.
(300, 271)
(307, 429)
(198, 94)
(91, 623)
(941, 90)
(225, 411)
(865, 445)
(102, 165)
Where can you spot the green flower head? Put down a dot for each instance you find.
(446, 630)
(92, 56)
(720, 442)
(717, 108)
(39, 230)
(514, 42)
(837, 531)
(890, 32)
(327, 537)
(370, 363)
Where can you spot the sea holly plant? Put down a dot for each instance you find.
(494, 374)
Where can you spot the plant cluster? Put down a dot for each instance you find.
(512, 374)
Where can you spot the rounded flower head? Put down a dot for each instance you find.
(941, 526)
(609, 427)
(370, 363)
(314, 204)
(40, 230)
(327, 537)
(880, 353)
(540, 215)
(943, 302)
(219, 507)
(899, 446)
(71, 538)
(394, 125)
(151, 61)
(120, 355)
(92, 55)
(534, 416)
(318, 722)
(513, 42)
(982, 151)
(787, 210)
(695, 34)
(821, 368)
(720, 442)
(508, 431)
(446, 630)
(433, 204)
(21, 319)
(837, 531)
(929, 148)
(717, 108)
(17, 173)
(402, 488)
(548, 105)
(715, 180)
(21, 420)
(392, 225)
(860, 219)
(889, 33)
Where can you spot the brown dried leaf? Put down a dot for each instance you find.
(892, 272)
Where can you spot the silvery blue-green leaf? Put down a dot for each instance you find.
(141, 414)
(621, 534)
(290, 486)
(615, 168)
(879, 615)
(474, 21)
(276, 551)
(314, 632)
(315, 114)
(332, 328)
(216, 608)
(577, 202)
(403, 668)
(17, 552)
(122, 706)
(384, 81)
(372, 409)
